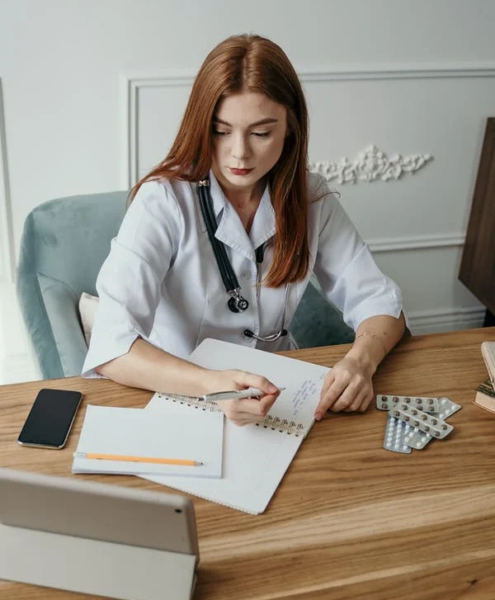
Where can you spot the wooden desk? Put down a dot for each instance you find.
(350, 520)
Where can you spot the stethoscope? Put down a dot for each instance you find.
(236, 303)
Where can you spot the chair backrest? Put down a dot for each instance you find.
(318, 322)
(63, 246)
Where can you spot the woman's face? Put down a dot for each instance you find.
(249, 131)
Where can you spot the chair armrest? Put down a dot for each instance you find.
(49, 308)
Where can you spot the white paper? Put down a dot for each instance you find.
(255, 458)
(175, 432)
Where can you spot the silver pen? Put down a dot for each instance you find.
(234, 394)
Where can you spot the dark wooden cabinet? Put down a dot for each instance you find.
(477, 270)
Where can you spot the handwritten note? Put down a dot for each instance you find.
(308, 389)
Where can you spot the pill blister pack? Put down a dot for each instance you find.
(447, 407)
(425, 422)
(395, 435)
(414, 421)
(417, 439)
(430, 405)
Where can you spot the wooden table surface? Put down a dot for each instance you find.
(350, 520)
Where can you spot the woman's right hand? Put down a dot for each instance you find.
(245, 410)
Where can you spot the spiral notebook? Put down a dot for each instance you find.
(255, 457)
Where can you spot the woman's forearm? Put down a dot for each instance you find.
(146, 366)
(375, 337)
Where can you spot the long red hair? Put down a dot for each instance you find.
(250, 63)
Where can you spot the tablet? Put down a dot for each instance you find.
(98, 511)
(89, 537)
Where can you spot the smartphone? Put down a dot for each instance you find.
(50, 419)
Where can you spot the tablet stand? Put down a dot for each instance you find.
(94, 567)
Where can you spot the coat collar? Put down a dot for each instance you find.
(230, 229)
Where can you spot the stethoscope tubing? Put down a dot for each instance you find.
(236, 303)
(273, 337)
(228, 276)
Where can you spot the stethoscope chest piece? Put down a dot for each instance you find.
(237, 304)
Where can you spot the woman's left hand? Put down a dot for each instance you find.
(347, 387)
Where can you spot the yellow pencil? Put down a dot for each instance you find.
(141, 459)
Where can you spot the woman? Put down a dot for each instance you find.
(234, 191)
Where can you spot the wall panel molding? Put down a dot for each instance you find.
(433, 321)
(419, 242)
(365, 72)
(370, 164)
(133, 83)
(6, 236)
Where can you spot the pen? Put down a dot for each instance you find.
(141, 459)
(234, 394)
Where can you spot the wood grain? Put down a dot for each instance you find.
(350, 520)
(478, 257)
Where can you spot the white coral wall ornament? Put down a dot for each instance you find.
(370, 165)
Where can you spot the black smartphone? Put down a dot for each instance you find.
(50, 419)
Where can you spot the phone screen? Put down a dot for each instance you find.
(50, 419)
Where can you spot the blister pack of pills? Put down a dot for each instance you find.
(430, 405)
(395, 434)
(425, 422)
(417, 439)
(422, 418)
(447, 408)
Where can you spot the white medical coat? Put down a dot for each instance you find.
(161, 281)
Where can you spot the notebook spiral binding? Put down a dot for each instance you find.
(282, 425)
(191, 401)
(269, 422)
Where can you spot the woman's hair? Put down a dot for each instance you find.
(250, 63)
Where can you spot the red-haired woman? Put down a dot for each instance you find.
(233, 205)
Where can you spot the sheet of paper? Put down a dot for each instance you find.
(176, 432)
(255, 458)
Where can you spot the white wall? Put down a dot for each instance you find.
(410, 77)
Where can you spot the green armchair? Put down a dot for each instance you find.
(63, 246)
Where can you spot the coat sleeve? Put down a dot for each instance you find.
(130, 280)
(345, 268)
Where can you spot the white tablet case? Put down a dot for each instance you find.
(95, 538)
